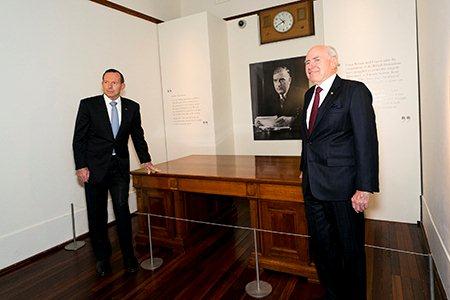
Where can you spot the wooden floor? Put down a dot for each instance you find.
(216, 268)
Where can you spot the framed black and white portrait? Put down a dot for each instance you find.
(277, 91)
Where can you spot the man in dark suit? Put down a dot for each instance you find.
(285, 105)
(339, 167)
(100, 145)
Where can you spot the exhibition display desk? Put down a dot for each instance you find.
(199, 187)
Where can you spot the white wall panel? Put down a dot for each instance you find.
(195, 83)
(376, 42)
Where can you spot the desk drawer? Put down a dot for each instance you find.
(281, 192)
(218, 187)
(153, 182)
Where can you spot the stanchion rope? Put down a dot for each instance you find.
(275, 232)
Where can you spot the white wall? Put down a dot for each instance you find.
(245, 49)
(160, 9)
(220, 85)
(434, 58)
(227, 8)
(374, 54)
(52, 54)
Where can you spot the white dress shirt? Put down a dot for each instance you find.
(326, 86)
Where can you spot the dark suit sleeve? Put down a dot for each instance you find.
(365, 139)
(79, 142)
(137, 135)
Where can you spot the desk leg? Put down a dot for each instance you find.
(180, 212)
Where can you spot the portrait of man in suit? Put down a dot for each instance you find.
(103, 126)
(339, 165)
(277, 89)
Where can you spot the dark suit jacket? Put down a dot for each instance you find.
(93, 140)
(341, 154)
(292, 106)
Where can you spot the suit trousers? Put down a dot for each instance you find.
(337, 245)
(117, 183)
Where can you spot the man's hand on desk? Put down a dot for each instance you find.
(150, 168)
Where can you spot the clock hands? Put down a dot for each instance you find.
(281, 22)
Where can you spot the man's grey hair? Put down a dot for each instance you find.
(333, 53)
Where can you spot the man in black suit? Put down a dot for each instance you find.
(285, 106)
(339, 166)
(100, 146)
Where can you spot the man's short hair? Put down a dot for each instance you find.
(282, 68)
(122, 79)
(333, 53)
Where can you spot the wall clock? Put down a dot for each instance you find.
(283, 21)
(286, 21)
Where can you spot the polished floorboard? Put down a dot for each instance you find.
(217, 268)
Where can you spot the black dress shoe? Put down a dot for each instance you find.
(131, 264)
(103, 268)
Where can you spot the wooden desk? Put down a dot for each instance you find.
(270, 183)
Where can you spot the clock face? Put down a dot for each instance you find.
(283, 21)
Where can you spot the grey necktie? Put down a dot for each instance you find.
(282, 100)
(114, 118)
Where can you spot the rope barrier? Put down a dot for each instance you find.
(275, 232)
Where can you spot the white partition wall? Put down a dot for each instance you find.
(194, 70)
(220, 85)
(376, 42)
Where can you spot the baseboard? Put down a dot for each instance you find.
(29, 260)
(20, 245)
(440, 254)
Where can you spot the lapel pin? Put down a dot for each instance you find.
(332, 93)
